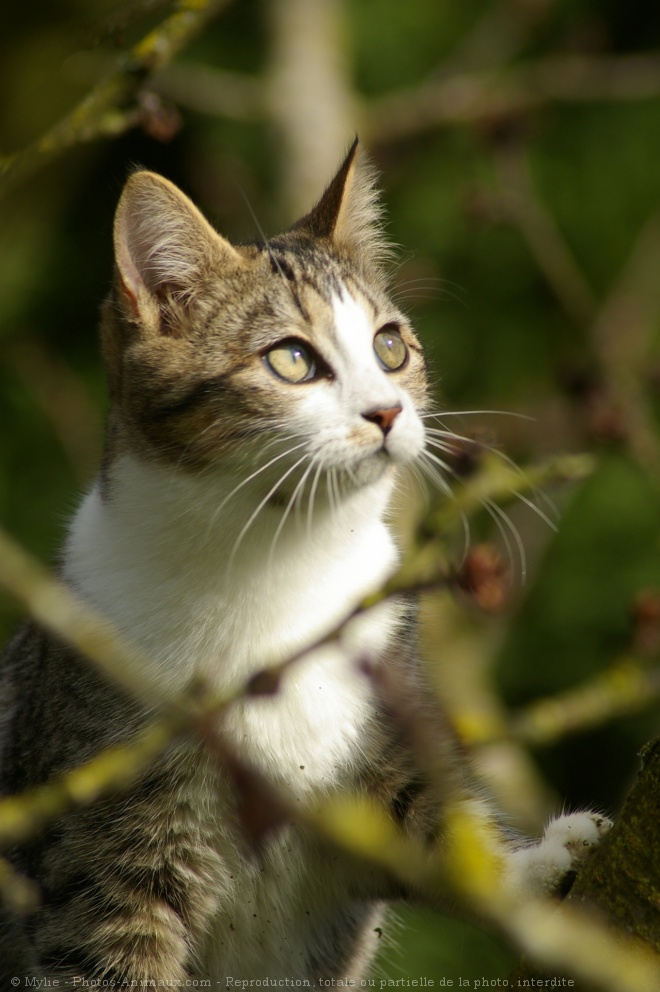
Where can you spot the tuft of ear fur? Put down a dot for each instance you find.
(349, 213)
(165, 249)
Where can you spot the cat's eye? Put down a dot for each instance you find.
(292, 361)
(390, 349)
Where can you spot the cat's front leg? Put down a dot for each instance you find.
(546, 867)
(130, 883)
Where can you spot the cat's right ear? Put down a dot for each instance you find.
(165, 250)
(349, 212)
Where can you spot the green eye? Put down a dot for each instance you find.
(292, 361)
(390, 349)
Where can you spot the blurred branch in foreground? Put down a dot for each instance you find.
(620, 881)
(53, 605)
(627, 686)
(467, 863)
(555, 936)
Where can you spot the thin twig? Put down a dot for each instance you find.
(622, 327)
(23, 816)
(626, 686)
(622, 336)
(549, 248)
(506, 92)
(108, 108)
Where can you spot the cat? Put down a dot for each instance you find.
(264, 400)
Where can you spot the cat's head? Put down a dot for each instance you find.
(291, 345)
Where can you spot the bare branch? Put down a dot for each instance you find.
(62, 395)
(626, 686)
(508, 92)
(53, 604)
(469, 862)
(107, 109)
(212, 91)
(24, 816)
(622, 336)
(524, 208)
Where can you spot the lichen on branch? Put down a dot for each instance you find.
(111, 106)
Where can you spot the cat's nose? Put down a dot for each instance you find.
(384, 417)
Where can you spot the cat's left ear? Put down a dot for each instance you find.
(349, 213)
(165, 250)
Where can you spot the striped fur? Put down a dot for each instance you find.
(238, 517)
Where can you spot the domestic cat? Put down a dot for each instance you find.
(264, 400)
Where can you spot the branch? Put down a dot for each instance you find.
(107, 109)
(626, 687)
(453, 97)
(502, 482)
(621, 328)
(64, 399)
(623, 336)
(212, 91)
(424, 567)
(54, 606)
(508, 92)
(523, 208)
(563, 938)
(24, 816)
(468, 862)
(620, 880)
(308, 95)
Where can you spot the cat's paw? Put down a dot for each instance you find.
(579, 833)
(549, 866)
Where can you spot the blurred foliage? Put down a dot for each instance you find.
(516, 227)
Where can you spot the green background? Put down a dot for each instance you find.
(505, 326)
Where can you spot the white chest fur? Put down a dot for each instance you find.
(162, 576)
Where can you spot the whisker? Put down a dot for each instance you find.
(434, 433)
(416, 472)
(333, 491)
(446, 488)
(471, 413)
(253, 475)
(501, 518)
(300, 485)
(266, 243)
(336, 486)
(440, 288)
(449, 449)
(537, 510)
(437, 479)
(418, 293)
(261, 505)
(312, 497)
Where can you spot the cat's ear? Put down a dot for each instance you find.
(349, 213)
(165, 250)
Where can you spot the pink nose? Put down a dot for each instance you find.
(383, 417)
